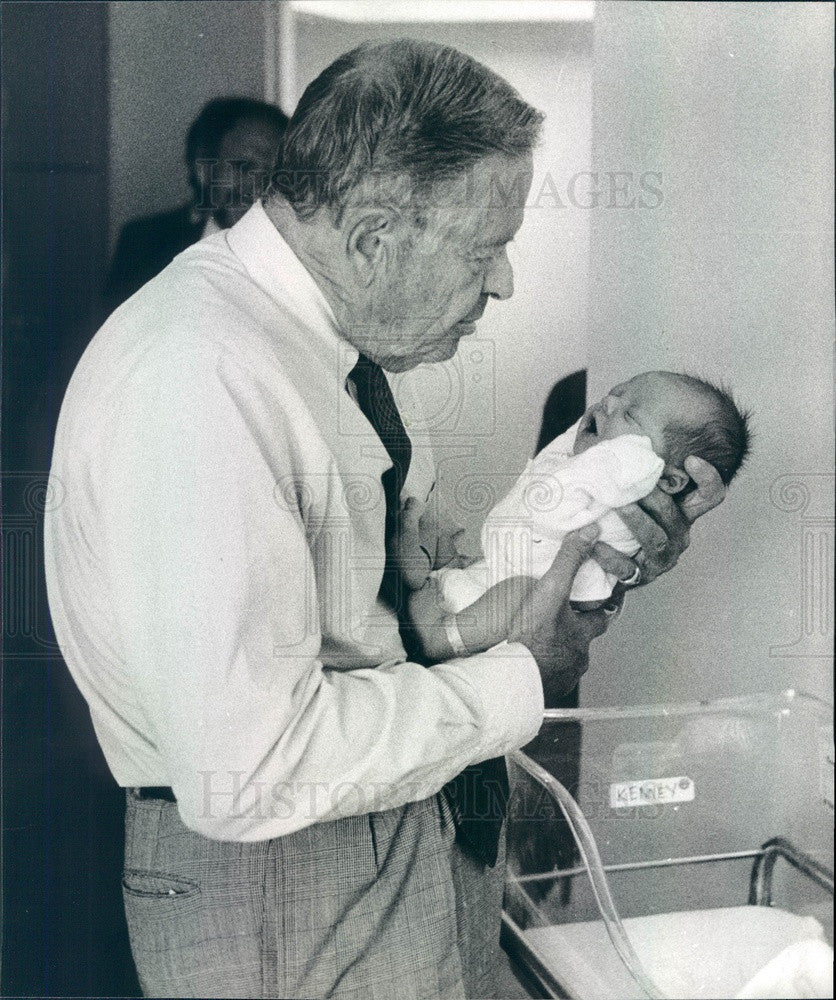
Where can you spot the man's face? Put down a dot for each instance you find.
(438, 286)
(246, 155)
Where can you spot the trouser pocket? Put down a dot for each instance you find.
(164, 927)
(144, 885)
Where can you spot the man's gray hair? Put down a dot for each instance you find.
(399, 109)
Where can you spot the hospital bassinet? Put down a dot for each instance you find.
(714, 823)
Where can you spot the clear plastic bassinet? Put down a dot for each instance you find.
(714, 824)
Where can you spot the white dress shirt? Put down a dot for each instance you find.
(214, 551)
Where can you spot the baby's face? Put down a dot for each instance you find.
(644, 405)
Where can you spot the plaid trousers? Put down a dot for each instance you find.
(385, 906)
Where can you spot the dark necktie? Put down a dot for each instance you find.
(377, 404)
(478, 796)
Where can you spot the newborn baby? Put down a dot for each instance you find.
(637, 437)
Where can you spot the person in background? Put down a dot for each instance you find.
(230, 150)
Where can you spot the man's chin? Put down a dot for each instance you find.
(431, 355)
(443, 352)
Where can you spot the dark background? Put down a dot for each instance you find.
(63, 925)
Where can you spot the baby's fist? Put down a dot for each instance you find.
(413, 560)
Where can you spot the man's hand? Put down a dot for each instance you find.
(557, 635)
(662, 526)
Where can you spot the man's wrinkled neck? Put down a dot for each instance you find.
(318, 245)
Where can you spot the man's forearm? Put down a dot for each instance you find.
(364, 741)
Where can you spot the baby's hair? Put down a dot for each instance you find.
(724, 441)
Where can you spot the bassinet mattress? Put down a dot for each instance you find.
(692, 955)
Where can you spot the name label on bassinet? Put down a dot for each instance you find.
(652, 792)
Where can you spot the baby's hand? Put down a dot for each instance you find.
(440, 538)
(413, 560)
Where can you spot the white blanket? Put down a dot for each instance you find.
(557, 493)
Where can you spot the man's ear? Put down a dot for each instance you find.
(673, 480)
(370, 243)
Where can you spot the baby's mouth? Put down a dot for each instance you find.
(590, 423)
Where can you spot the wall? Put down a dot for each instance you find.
(486, 405)
(731, 277)
(166, 61)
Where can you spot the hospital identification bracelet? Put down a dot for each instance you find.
(454, 636)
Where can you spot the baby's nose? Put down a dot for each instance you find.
(610, 404)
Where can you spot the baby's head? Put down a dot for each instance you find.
(681, 415)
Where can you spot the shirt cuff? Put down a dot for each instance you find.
(508, 681)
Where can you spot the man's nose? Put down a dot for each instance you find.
(499, 281)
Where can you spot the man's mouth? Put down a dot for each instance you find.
(472, 318)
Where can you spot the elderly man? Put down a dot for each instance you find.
(232, 461)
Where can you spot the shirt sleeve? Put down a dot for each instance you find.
(214, 595)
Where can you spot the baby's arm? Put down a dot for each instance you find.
(480, 625)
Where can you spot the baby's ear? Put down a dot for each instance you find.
(673, 480)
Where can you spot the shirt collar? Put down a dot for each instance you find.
(275, 267)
